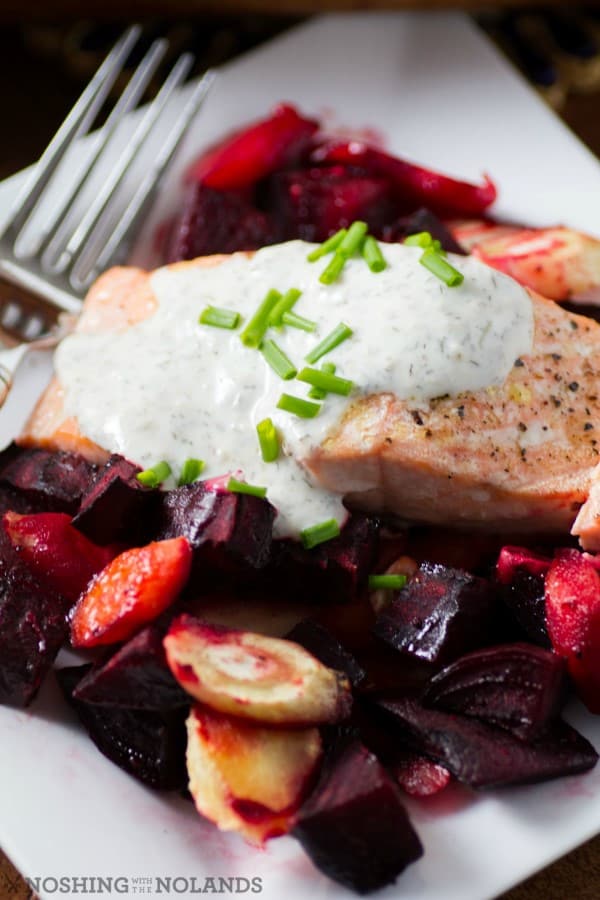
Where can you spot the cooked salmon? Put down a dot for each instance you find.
(518, 457)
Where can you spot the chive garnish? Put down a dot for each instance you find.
(421, 239)
(282, 306)
(295, 321)
(441, 268)
(353, 241)
(387, 582)
(339, 334)
(318, 534)
(268, 440)
(304, 409)
(316, 393)
(332, 384)
(327, 246)
(190, 471)
(276, 358)
(241, 487)
(219, 317)
(255, 330)
(332, 271)
(154, 476)
(372, 255)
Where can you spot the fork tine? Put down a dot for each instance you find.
(54, 237)
(176, 76)
(94, 93)
(108, 240)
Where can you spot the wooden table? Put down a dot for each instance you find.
(44, 86)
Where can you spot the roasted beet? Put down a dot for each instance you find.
(520, 572)
(514, 561)
(218, 222)
(482, 756)
(33, 625)
(314, 203)
(229, 532)
(148, 745)
(439, 615)
(418, 776)
(334, 572)
(53, 481)
(136, 677)
(354, 826)
(422, 220)
(322, 644)
(518, 687)
(116, 507)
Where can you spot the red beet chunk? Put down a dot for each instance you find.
(573, 617)
(334, 572)
(148, 745)
(514, 561)
(116, 507)
(249, 155)
(440, 614)
(482, 756)
(354, 826)
(521, 573)
(518, 687)
(61, 557)
(422, 220)
(229, 532)
(420, 777)
(322, 644)
(218, 222)
(314, 203)
(136, 677)
(51, 481)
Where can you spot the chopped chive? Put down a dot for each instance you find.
(441, 268)
(332, 384)
(154, 476)
(304, 409)
(191, 471)
(372, 255)
(318, 534)
(268, 440)
(295, 321)
(387, 582)
(327, 246)
(255, 330)
(241, 487)
(339, 334)
(276, 358)
(316, 393)
(353, 240)
(219, 317)
(421, 239)
(284, 305)
(332, 271)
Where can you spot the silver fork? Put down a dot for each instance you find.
(43, 280)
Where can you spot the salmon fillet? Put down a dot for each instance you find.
(520, 457)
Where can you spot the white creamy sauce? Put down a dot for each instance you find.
(170, 388)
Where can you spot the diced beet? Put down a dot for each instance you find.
(61, 557)
(334, 572)
(33, 626)
(521, 573)
(354, 826)
(314, 203)
(440, 614)
(53, 481)
(322, 644)
(146, 744)
(247, 156)
(482, 756)
(218, 222)
(518, 687)
(422, 220)
(136, 677)
(514, 561)
(420, 777)
(116, 507)
(229, 532)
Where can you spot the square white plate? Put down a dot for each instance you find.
(442, 95)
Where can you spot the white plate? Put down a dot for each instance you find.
(443, 96)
